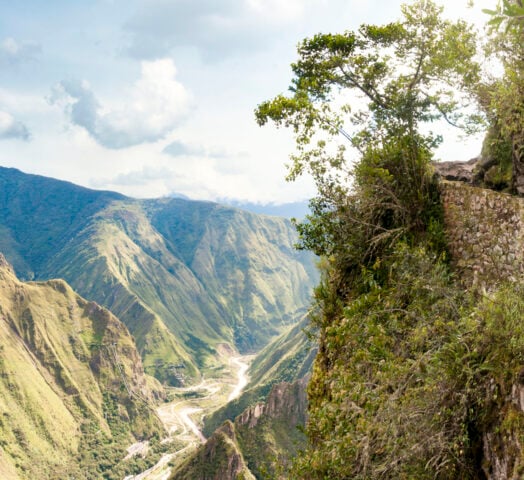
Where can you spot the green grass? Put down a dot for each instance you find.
(54, 382)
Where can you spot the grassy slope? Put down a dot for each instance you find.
(58, 379)
(183, 276)
(287, 359)
(246, 263)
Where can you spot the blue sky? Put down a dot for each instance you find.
(150, 97)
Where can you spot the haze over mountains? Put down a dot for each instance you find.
(184, 276)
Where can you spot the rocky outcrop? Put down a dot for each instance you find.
(457, 171)
(259, 444)
(287, 401)
(483, 171)
(220, 458)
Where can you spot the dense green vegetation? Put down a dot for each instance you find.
(414, 375)
(502, 97)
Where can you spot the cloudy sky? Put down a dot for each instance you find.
(151, 97)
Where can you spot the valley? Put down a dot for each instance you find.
(182, 417)
(176, 298)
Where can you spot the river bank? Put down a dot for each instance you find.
(183, 417)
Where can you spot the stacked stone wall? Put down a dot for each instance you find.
(485, 232)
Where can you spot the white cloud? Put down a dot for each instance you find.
(12, 52)
(133, 178)
(181, 149)
(152, 108)
(12, 128)
(220, 29)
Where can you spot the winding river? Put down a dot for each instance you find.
(182, 418)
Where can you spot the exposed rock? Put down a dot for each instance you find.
(286, 401)
(503, 449)
(261, 442)
(457, 171)
(219, 458)
(5, 264)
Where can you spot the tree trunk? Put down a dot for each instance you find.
(518, 163)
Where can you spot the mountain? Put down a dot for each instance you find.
(73, 393)
(287, 210)
(183, 276)
(220, 458)
(260, 443)
(288, 359)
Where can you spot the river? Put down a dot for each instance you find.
(183, 418)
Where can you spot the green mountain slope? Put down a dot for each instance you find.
(246, 262)
(73, 393)
(39, 215)
(260, 443)
(220, 458)
(288, 358)
(183, 276)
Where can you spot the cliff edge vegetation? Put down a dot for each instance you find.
(418, 375)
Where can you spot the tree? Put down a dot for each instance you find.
(359, 106)
(503, 98)
(369, 93)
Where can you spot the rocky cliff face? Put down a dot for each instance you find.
(286, 402)
(260, 443)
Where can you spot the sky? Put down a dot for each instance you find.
(155, 97)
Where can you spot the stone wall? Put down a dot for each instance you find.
(485, 233)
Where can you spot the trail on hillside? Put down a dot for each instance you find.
(182, 417)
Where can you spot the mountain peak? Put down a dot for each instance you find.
(4, 264)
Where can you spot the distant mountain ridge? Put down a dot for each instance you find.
(183, 275)
(288, 210)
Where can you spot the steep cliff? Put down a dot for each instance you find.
(262, 440)
(73, 393)
(270, 433)
(219, 459)
(420, 364)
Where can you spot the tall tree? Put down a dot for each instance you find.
(503, 98)
(358, 104)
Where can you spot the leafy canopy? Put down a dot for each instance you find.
(503, 98)
(357, 105)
